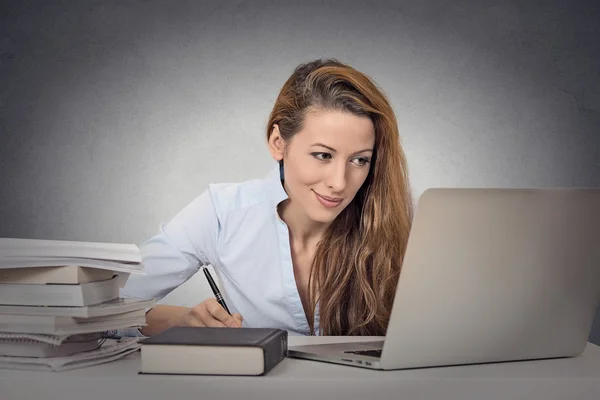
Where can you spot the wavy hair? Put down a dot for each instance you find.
(357, 262)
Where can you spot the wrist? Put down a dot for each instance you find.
(182, 317)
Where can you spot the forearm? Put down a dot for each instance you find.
(162, 317)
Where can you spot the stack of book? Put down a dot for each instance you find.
(60, 304)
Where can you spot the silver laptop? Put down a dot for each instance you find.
(489, 275)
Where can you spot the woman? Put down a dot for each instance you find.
(314, 248)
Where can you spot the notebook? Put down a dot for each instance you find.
(55, 340)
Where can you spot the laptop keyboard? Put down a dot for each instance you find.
(370, 353)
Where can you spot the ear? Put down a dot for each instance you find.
(276, 144)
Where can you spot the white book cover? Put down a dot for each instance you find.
(81, 295)
(116, 306)
(120, 252)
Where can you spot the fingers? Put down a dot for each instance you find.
(200, 316)
(219, 313)
(238, 317)
(211, 314)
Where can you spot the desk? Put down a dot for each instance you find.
(568, 378)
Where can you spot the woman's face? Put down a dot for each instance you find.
(325, 163)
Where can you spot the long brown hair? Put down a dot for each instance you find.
(357, 261)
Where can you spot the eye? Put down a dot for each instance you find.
(321, 156)
(361, 161)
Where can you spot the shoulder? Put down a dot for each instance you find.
(230, 197)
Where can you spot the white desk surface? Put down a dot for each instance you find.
(567, 378)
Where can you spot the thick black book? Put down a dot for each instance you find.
(213, 351)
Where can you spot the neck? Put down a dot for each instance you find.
(304, 233)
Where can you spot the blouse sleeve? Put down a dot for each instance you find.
(176, 253)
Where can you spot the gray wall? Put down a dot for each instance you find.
(115, 114)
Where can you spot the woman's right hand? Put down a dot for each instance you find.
(210, 313)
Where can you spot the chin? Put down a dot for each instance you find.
(323, 217)
(324, 220)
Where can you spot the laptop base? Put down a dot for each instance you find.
(340, 353)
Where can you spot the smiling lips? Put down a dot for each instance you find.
(329, 202)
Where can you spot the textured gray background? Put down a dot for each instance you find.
(115, 114)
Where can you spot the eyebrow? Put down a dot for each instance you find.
(334, 150)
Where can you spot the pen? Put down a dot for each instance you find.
(215, 289)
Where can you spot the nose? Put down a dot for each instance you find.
(336, 180)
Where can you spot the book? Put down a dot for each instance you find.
(111, 307)
(213, 351)
(109, 351)
(14, 247)
(60, 325)
(80, 295)
(55, 340)
(30, 348)
(12, 262)
(60, 274)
